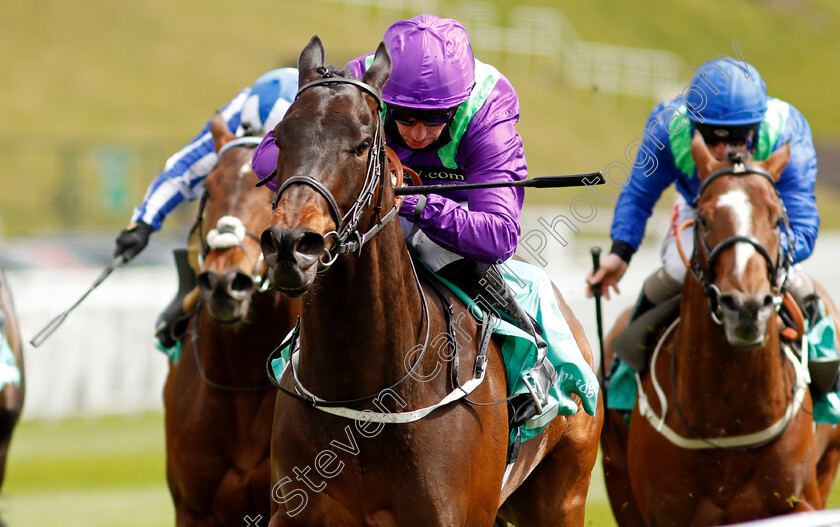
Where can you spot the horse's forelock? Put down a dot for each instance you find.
(335, 71)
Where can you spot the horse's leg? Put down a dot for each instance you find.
(828, 450)
(555, 491)
(614, 448)
(8, 419)
(828, 437)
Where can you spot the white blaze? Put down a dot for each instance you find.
(742, 210)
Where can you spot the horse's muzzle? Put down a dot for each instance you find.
(227, 296)
(745, 317)
(292, 255)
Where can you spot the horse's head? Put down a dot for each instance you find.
(738, 256)
(231, 211)
(329, 170)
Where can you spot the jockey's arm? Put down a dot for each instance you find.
(184, 172)
(643, 189)
(489, 231)
(796, 185)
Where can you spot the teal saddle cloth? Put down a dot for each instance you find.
(534, 291)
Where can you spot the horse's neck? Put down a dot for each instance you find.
(361, 319)
(712, 373)
(235, 354)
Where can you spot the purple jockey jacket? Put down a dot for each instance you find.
(487, 148)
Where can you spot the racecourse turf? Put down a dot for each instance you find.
(110, 472)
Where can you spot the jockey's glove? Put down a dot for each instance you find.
(132, 240)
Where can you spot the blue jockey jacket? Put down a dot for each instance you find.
(664, 157)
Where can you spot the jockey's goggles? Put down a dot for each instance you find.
(432, 118)
(740, 134)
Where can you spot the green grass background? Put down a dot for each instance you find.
(144, 76)
(81, 76)
(110, 472)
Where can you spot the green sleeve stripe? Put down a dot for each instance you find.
(486, 77)
(681, 146)
(775, 119)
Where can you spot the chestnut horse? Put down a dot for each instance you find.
(219, 407)
(368, 326)
(723, 431)
(12, 393)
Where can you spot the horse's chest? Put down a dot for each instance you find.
(719, 488)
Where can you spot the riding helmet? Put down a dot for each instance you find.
(433, 63)
(727, 93)
(266, 104)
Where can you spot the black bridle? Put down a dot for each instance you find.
(348, 239)
(260, 279)
(777, 270)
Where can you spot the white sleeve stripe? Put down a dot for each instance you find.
(227, 113)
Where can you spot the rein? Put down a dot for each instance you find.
(348, 239)
(741, 443)
(230, 231)
(777, 271)
(200, 368)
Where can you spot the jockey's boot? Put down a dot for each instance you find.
(824, 370)
(539, 380)
(643, 305)
(171, 323)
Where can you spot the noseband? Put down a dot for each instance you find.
(230, 231)
(777, 271)
(348, 239)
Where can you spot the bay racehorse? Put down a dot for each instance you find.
(366, 338)
(12, 392)
(722, 430)
(219, 405)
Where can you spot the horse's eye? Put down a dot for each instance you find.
(701, 221)
(360, 151)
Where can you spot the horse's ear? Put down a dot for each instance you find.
(220, 131)
(778, 161)
(380, 69)
(702, 157)
(311, 58)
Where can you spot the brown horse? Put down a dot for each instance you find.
(366, 337)
(722, 431)
(219, 409)
(12, 394)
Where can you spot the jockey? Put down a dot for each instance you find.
(453, 119)
(253, 112)
(728, 105)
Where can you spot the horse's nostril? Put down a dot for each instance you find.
(206, 281)
(241, 283)
(310, 244)
(768, 301)
(729, 302)
(270, 244)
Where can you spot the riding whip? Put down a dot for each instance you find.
(596, 292)
(572, 180)
(53, 325)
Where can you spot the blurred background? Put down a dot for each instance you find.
(95, 95)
